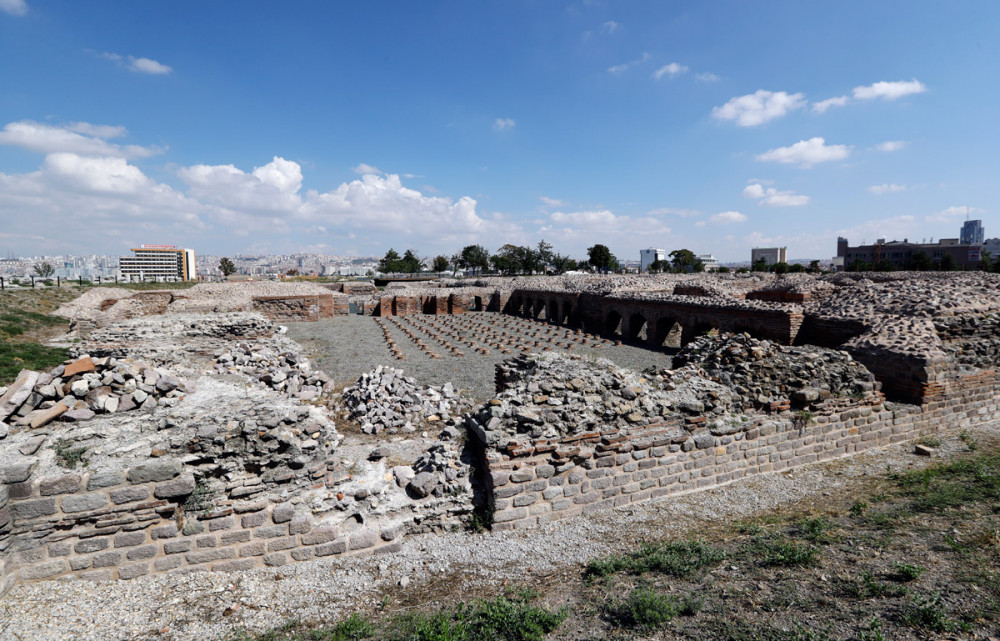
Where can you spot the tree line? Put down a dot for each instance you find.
(508, 260)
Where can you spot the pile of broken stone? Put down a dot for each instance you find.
(386, 400)
(80, 389)
(283, 371)
(761, 371)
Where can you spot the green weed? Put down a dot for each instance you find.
(929, 613)
(645, 608)
(770, 552)
(674, 559)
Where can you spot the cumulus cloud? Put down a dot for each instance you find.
(673, 211)
(267, 189)
(949, 214)
(671, 70)
(107, 175)
(726, 218)
(138, 65)
(706, 77)
(14, 7)
(365, 168)
(580, 228)
(891, 145)
(610, 27)
(552, 202)
(886, 188)
(79, 138)
(806, 153)
(889, 90)
(823, 105)
(617, 70)
(759, 107)
(500, 124)
(771, 197)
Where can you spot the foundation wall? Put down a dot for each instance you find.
(553, 480)
(300, 308)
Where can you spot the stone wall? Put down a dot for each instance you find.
(300, 308)
(551, 479)
(104, 525)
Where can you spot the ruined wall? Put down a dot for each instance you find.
(300, 308)
(551, 479)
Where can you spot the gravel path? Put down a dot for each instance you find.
(347, 346)
(202, 606)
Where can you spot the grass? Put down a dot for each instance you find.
(17, 356)
(508, 617)
(646, 609)
(68, 456)
(25, 320)
(673, 559)
(770, 552)
(954, 484)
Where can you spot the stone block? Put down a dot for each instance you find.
(181, 486)
(270, 531)
(167, 563)
(226, 523)
(320, 535)
(63, 548)
(239, 536)
(255, 519)
(129, 494)
(106, 559)
(154, 472)
(95, 544)
(42, 570)
(284, 543)
(167, 531)
(237, 565)
(301, 524)
(177, 547)
(132, 571)
(257, 548)
(208, 541)
(64, 484)
(205, 556)
(275, 559)
(334, 547)
(141, 552)
(302, 554)
(129, 539)
(283, 512)
(104, 478)
(83, 502)
(363, 539)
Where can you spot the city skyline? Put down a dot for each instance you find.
(347, 130)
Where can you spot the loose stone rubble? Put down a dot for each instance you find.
(385, 399)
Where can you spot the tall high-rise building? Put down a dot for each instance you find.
(649, 256)
(972, 233)
(159, 262)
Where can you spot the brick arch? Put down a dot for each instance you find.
(667, 332)
(613, 322)
(637, 328)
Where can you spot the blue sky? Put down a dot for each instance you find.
(349, 128)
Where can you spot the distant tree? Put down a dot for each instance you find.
(920, 261)
(440, 264)
(599, 256)
(684, 260)
(780, 268)
(227, 267)
(813, 266)
(947, 263)
(859, 266)
(292, 272)
(544, 254)
(659, 266)
(759, 265)
(474, 257)
(986, 261)
(743, 270)
(722, 269)
(563, 264)
(883, 266)
(410, 264)
(797, 268)
(456, 263)
(44, 270)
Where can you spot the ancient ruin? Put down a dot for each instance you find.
(189, 433)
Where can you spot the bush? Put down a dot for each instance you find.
(646, 608)
(674, 559)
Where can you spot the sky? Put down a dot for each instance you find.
(351, 128)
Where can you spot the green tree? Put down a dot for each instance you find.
(440, 264)
(474, 257)
(947, 263)
(813, 266)
(780, 268)
(563, 264)
(797, 268)
(544, 254)
(759, 265)
(684, 260)
(227, 267)
(722, 269)
(410, 264)
(659, 266)
(920, 261)
(44, 270)
(390, 263)
(599, 256)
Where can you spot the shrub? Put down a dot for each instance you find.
(646, 608)
(674, 559)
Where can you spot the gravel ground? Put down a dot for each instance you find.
(204, 605)
(347, 346)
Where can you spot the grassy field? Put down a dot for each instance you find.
(915, 557)
(26, 321)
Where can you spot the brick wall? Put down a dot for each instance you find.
(300, 308)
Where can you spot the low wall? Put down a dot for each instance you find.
(553, 479)
(301, 308)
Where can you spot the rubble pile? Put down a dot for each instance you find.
(283, 371)
(386, 400)
(762, 371)
(80, 389)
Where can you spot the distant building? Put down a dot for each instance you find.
(771, 255)
(710, 262)
(972, 233)
(649, 256)
(160, 263)
(900, 254)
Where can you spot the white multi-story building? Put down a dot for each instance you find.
(771, 255)
(159, 262)
(649, 256)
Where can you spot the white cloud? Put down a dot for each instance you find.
(14, 7)
(138, 65)
(771, 197)
(706, 77)
(823, 105)
(501, 124)
(889, 90)
(147, 65)
(672, 211)
(891, 145)
(581, 228)
(622, 68)
(951, 213)
(610, 27)
(886, 188)
(109, 175)
(806, 153)
(365, 168)
(759, 107)
(270, 188)
(552, 202)
(727, 218)
(672, 70)
(78, 138)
